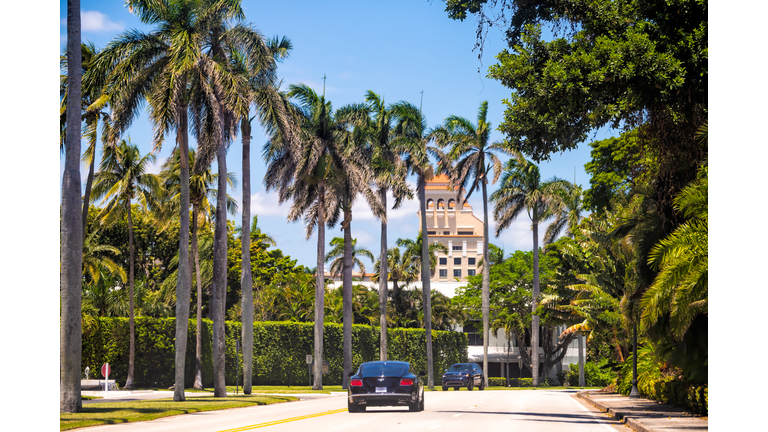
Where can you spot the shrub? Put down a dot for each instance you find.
(497, 381)
(279, 350)
(595, 374)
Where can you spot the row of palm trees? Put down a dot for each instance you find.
(201, 67)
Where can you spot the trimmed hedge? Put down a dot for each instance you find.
(279, 350)
(513, 382)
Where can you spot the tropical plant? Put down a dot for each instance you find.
(475, 158)
(96, 263)
(336, 256)
(568, 215)
(522, 189)
(123, 177)
(413, 252)
(401, 269)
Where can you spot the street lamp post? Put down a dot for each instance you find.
(634, 393)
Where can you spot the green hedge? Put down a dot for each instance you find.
(279, 351)
(595, 374)
(513, 382)
(665, 388)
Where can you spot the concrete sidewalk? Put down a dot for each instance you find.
(645, 415)
(126, 396)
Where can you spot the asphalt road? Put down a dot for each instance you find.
(520, 410)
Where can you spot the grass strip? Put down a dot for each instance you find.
(144, 410)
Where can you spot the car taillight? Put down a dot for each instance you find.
(406, 382)
(356, 383)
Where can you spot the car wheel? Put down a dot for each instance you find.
(445, 388)
(351, 407)
(413, 407)
(482, 384)
(421, 405)
(470, 384)
(456, 388)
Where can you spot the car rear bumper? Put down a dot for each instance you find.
(383, 399)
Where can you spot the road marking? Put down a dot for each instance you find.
(277, 422)
(457, 415)
(592, 415)
(472, 407)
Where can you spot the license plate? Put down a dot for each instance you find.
(381, 389)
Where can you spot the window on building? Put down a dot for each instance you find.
(440, 204)
(443, 274)
(443, 261)
(471, 272)
(470, 261)
(446, 233)
(457, 273)
(466, 233)
(474, 337)
(456, 248)
(457, 261)
(431, 233)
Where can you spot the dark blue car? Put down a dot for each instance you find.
(466, 375)
(385, 383)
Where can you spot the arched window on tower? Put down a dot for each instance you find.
(440, 204)
(451, 204)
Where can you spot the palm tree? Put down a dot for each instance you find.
(414, 249)
(390, 172)
(95, 263)
(123, 177)
(522, 189)
(401, 269)
(474, 156)
(201, 188)
(568, 215)
(70, 335)
(302, 169)
(413, 139)
(336, 256)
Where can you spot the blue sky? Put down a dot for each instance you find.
(394, 48)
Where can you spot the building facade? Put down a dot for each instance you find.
(451, 222)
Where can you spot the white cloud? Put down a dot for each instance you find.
(95, 21)
(266, 204)
(157, 166)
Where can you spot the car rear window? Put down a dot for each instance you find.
(460, 368)
(386, 369)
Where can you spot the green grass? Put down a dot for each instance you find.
(327, 389)
(106, 413)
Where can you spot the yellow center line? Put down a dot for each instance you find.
(277, 422)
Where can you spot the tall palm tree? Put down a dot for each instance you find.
(201, 190)
(70, 335)
(413, 139)
(471, 149)
(336, 256)
(568, 216)
(522, 189)
(123, 177)
(302, 169)
(390, 172)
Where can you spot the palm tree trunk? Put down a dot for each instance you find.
(246, 279)
(347, 297)
(71, 336)
(199, 337)
(183, 282)
(486, 302)
(132, 338)
(88, 185)
(383, 280)
(425, 276)
(535, 318)
(220, 273)
(319, 288)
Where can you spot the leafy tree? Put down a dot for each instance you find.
(413, 252)
(122, 177)
(70, 335)
(522, 189)
(628, 63)
(567, 215)
(95, 261)
(475, 158)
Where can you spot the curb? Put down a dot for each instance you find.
(618, 415)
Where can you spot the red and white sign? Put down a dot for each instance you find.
(105, 370)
